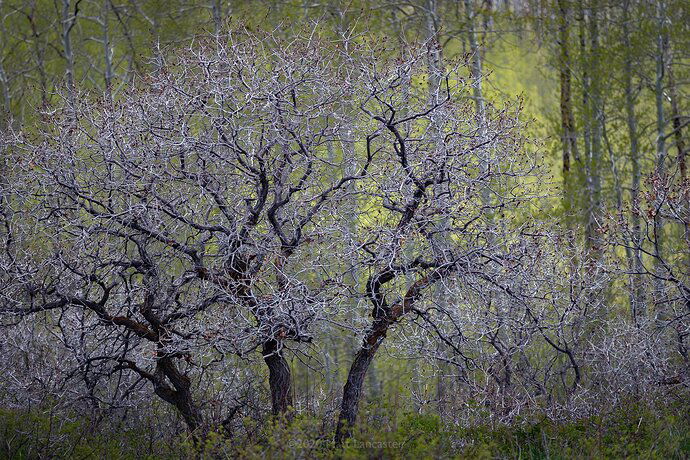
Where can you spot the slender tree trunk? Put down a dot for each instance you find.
(487, 18)
(39, 46)
(618, 188)
(107, 51)
(350, 207)
(5, 120)
(565, 94)
(477, 93)
(476, 65)
(434, 59)
(5, 86)
(676, 119)
(68, 20)
(659, 90)
(680, 146)
(279, 378)
(568, 136)
(5, 114)
(480, 108)
(637, 294)
(435, 70)
(217, 10)
(440, 244)
(594, 214)
(660, 162)
(586, 115)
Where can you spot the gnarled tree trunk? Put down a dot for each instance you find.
(179, 395)
(352, 391)
(384, 317)
(279, 378)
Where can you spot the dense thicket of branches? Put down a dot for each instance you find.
(256, 224)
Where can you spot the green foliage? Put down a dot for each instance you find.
(633, 431)
(28, 435)
(31, 56)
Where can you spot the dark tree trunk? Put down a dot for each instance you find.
(183, 402)
(190, 413)
(279, 378)
(179, 395)
(676, 119)
(384, 316)
(568, 136)
(352, 392)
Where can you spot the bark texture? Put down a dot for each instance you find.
(278, 377)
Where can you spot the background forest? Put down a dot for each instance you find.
(352, 229)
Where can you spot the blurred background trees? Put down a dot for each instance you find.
(588, 307)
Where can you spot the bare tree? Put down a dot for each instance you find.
(199, 212)
(460, 188)
(189, 243)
